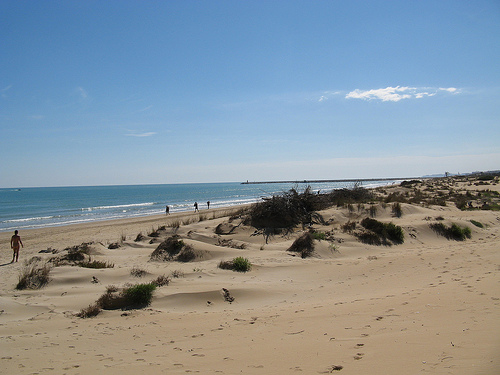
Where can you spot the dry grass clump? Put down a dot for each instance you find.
(138, 272)
(230, 243)
(140, 237)
(304, 245)
(174, 249)
(168, 249)
(93, 310)
(33, 275)
(96, 264)
(348, 227)
(187, 254)
(161, 281)
(74, 255)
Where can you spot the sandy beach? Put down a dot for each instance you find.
(429, 305)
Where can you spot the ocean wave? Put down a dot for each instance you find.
(31, 219)
(119, 206)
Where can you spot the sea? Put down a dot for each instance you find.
(40, 207)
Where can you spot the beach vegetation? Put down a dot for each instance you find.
(139, 294)
(176, 274)
(318, 235)
(131, 296)
(161, 280)
(477, 223)
(138, 272)
(187, 254)
(95, 264)
(114, 245)
(452, 232)
(378, 233)
(168, 249)
(140, 237)
(92, 310)
(372, 210)
(33, 275)
(397, 210)
(174, 224)
(348, 227)
(304, 245)
(230, 243)
(238, 264)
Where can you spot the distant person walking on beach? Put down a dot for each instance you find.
(167, 210)
(196, 206)
(15, 241)
(208, 205)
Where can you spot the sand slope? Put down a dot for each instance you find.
(430, 305)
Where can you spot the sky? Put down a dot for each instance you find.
(146, 92)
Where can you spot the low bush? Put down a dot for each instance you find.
(140, 237)
(319, 236)
(89, 312)
(161, 281)
(238, 264)
(138, 272)
(397, 210)
(241, 264)
(33, 276)
(348, 227)
(453, 232)
(304, 245)
(96, 264)
(385, 232)
(477, 223)
(168, 249)
(135, 296)
(139, 295)
(187, 254)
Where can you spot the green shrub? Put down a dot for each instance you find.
(477, 223)
(319, 236)
(241, 264)
(453, 232)
(238, 264)
(139, 294)
(384, 231)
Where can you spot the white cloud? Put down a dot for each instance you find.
(4, 91)
(81, 91)
(147, 134)
(395, 94)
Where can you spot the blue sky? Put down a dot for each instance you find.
(136, 92)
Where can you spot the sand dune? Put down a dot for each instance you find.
(430, 305)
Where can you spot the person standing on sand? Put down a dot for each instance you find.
(167, 210)
(15, 241)
(195, 206)
(208, 205)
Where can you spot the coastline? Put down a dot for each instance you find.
(428, 305)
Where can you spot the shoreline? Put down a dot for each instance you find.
(111, 230)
